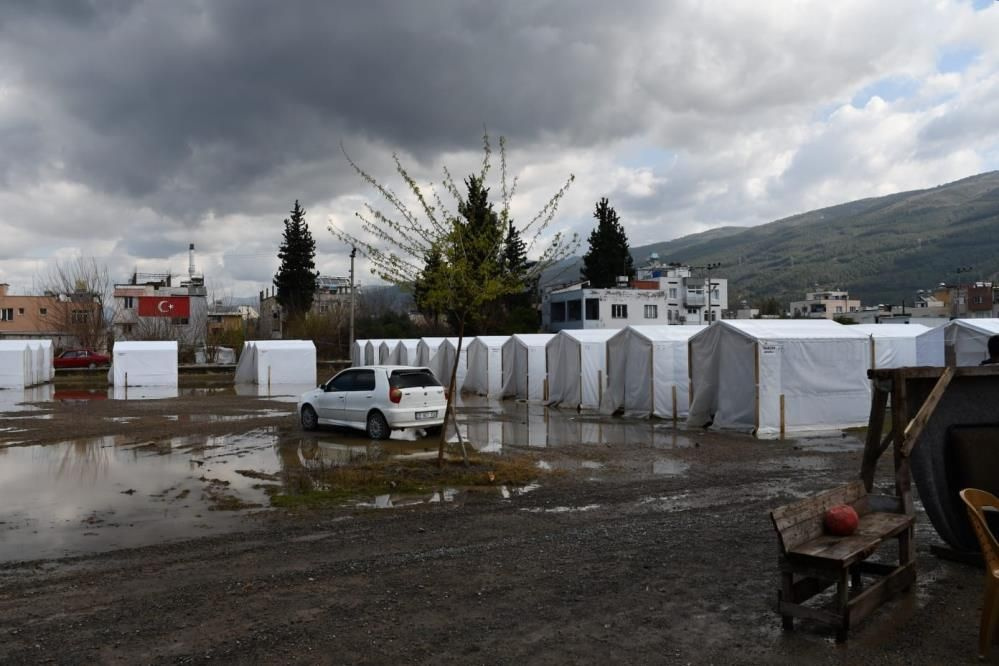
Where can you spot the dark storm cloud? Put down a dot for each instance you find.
(186, 104)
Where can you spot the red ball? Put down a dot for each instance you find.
(841, 520)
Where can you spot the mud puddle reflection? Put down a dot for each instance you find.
(104, 493)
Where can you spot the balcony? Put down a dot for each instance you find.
(694, 300)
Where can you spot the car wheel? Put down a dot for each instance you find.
(309, 419)
(377, 426)
(92, 366)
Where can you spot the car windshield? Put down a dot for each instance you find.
(402, 379)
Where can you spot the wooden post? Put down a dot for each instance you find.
(674, 405)
(600, 387)
(652, 378)
(903, 475)
(872, 448)
(782, 416)
(874, 358)
(268, 379)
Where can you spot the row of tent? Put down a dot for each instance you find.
(766, 376)
(25, 363)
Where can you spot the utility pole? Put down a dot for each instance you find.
(353, 253)
(708, 268)
(957, 296)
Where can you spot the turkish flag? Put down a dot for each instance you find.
(166, 306)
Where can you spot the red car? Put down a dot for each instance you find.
(80, 358)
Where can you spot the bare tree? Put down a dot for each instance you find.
(85, 308)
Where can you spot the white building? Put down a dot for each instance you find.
(659, 295)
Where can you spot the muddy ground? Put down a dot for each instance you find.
(648, 546)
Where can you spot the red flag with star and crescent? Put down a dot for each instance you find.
(164, 306)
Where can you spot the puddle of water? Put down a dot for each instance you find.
(278, 392)
(103, 493)
(832, 443)
(669, 467)
(16, 400)
(562, 509)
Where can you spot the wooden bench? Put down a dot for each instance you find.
(812, 561)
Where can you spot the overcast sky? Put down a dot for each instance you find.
(130, 129)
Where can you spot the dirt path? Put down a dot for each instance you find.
(616, 564)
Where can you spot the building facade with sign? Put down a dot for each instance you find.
(151, 307)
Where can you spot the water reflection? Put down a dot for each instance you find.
(517, 424)
(102, 493)
(16, 400)
(279, 392)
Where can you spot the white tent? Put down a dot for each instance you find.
(144, 363)
(577, 367)
(39, 375)
(771, 375)
(357, 352)
(277, 362)
(49, 354)
(15, 364)
(647, 371)
(372, 349)
(450, 349)
(525, 366)
(485, 366)
(386, 352)
(967, 340)
(904, 345)
(405, 352)
(430, 355)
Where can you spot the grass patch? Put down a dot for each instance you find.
(322, 484)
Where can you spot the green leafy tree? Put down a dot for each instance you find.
(468, 237)
(296, 277)
(609, 255)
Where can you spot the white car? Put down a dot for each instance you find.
(376, 399)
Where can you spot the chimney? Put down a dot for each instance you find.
(190, 265)
(3, 288)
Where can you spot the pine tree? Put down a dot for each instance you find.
(514, 252)
(480, 228)
(609, 255)
(296, 277)
(423, 285)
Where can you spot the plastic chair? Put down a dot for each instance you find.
(976, 501)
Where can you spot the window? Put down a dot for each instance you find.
(129, 302)
(839, 309)
(43, 311)
(593, 308)
(651, 311)
(558, 311)
(79, 316)
(691, 311)
(669, 316)
(342, 382)
(20, 311)
(619, 311)
(672, 292)
(412, 379)
(575, 311)
(364, 380)
(6, 314)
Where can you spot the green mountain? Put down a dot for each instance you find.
(881, 249)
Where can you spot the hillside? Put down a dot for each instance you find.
(881, 249)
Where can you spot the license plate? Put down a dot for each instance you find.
(420, 416)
